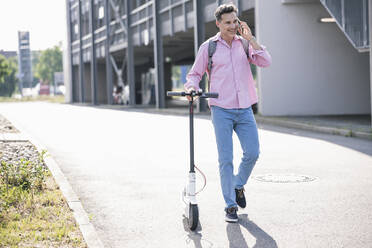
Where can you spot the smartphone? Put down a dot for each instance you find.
(240, 27)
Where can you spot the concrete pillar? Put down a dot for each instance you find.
(93, 62)
(199, 36)
(239, 6)
(158, 57)
(81, 62)
(370, 50)
(168, 76)
(101, 83)
(130, 58)
(87, 82)
(76, 86)
(107, 54)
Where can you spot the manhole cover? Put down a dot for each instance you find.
(284, 178)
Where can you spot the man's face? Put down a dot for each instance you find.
(228, 25)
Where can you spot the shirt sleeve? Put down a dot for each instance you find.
(261, 58)
(198, 69)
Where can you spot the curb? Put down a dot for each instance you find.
(315, 128)
(87, 229)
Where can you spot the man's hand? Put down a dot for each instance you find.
(246, 33)
(188, 91)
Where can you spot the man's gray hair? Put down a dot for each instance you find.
(223, 9)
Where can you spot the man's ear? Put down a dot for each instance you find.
(217, 24)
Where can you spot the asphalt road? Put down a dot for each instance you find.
(129, 168)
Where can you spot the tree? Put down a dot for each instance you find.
(8, 79)
(3, 68)
(50, 61)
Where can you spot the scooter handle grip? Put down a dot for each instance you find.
(209, 95)
(174, 93)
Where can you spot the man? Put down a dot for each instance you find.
(232, 79)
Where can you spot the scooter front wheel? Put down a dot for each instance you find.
(193, 216)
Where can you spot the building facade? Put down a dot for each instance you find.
(8, 54)
(132, 38)
(320, 67)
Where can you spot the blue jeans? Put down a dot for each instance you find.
(243, 123)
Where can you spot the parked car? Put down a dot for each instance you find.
(44, 89)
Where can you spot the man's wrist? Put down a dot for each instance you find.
(255, 44)
(189, 89)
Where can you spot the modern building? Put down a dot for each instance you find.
(320, 50)
(161, 34)
(24, 60)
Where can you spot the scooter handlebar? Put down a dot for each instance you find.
(193, 93)
(209, 95)
(174, 93)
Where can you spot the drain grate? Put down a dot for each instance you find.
(284, 178)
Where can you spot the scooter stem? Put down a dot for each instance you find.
(191, 116)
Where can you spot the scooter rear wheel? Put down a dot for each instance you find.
(193, 216)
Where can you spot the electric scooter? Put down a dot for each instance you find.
(189, 192)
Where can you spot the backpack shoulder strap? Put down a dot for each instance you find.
(211, 50)
(212, 44)
(245, 45)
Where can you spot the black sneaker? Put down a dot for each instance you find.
(231, 215)
(240, 198)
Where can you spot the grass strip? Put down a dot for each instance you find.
(33, 211)
(46, 98)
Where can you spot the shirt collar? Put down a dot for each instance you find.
(217, 37)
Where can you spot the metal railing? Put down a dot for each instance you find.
(352, 18)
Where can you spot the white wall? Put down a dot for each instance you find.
(67, 73)
(315, 70)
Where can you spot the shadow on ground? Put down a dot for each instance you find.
(236, 238)
(195, 238)
(234, 235)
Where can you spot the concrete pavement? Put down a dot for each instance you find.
(128, 169)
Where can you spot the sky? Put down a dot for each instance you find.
(44, 19)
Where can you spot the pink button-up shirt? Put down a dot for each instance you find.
(231, 75)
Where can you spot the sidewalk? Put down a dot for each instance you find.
(128, 166)
(349, 126)
(343, 125)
